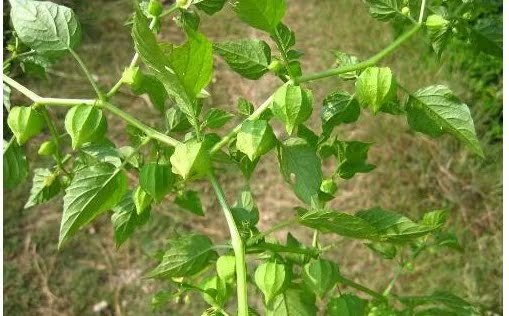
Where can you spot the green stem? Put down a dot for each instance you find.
(87, 73)
(169, 11)
(136, 57)
(423, 7)
(401, 267)
(315, 239)
(275, 228)
(282, 248)
(217, 147)
(16, 55)
(320, 75)
(149, 131)
(367, 63)
(133, 63)
(238, 249)
(25, 91)
(361, 288)
(56, 139)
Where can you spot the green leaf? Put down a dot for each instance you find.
(215, 291)
(434, 219)
(448, 239)
(95, 153)
(216, 118)
(155, 90)
(308, 135)
(125, 218)
(261, 14)
(385, 250)
(85, 123)
(338, 107)
(154, 57)
(299, 259)
(242, 160)
(352, 158)
(46, 27)
(188, 19)
(45, 186)
(244, 107)
(292, 105)
(284, 36)
(440, 32)
(225, 267)
(177, 121)
(346, 305)
(346, 60)
(271, 278)
(47, 148)
(157, 180)
(7, 97)
(142, 200)
(486, 37)
(93, 190)
(434, 110)
(190, 201)
(255, 138)
(395, 227)
(248, 57)
(456, 304)
(211, 6)
(375, 87)
(36, 65)
(320, 276)
(186, 256)
(192, 63)
(191, 159)
(294, 301)
(301, 168)
(25, 123)
(15, 164)
(383, 10)
(342, 224)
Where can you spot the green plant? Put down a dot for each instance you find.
(291, 275)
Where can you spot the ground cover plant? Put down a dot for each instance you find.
(181, 73)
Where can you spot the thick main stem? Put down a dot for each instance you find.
(238, 249)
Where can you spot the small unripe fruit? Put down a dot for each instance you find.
(328, 186)
(25, 123)
(132, 76)
(405, 11)
(47, 148)
(275, 66)
(155, 8)
(436, 23)
(182, 3)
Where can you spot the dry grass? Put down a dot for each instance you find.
(415, 174)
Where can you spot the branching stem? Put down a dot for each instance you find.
(361, 288)
(56, 139)
(136, 57)
(367, 63)
(149, 131)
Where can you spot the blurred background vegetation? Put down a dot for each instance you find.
(415, 173)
